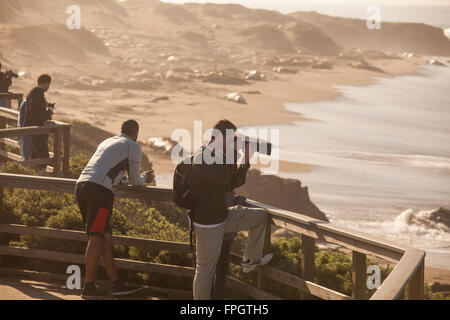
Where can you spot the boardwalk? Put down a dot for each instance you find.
(20, 289)
(29, 285)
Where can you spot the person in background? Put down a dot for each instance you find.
(24, 141)
(37, 113)
(94, 194)
(5, 83)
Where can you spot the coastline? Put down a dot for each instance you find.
(205, 102)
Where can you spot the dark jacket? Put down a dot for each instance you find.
(36, 111)
(212, 183)
(5, 83)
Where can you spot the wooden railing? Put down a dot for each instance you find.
(12, 96)
(409, 269)
(58, 162)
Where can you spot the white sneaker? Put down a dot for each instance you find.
(248, 265)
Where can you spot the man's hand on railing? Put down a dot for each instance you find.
(50, 123)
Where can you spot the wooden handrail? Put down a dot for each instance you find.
(60, 130)
(410, 261)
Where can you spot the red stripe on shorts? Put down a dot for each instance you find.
(100, 221)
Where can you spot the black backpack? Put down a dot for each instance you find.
(183, 195)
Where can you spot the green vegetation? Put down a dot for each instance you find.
(162, 221)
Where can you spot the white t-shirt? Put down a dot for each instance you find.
(113, 158)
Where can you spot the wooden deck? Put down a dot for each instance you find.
(17, 284)
(21, 289)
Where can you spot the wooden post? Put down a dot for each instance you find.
(2, 126)
(359, 275)
(307, 259)
(416, 284)
(57, 152)
(19, 100)
(66, 158)
(267, 249)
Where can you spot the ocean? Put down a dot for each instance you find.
(382, 154)
(382, 151)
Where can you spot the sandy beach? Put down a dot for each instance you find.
(206, 103)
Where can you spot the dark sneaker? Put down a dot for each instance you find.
(91, 292)
(121, 288)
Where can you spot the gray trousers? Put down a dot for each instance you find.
(209, 244)
(25, 147)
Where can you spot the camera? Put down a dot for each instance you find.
(10, 74)
(260, 146)
(51, 109)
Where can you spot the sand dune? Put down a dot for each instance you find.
(56, 39)
(353, 33)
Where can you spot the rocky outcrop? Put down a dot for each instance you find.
(364, 65)
(311, 39)
(394, 37)
(266, 37)
(57, 40)
(287, 194)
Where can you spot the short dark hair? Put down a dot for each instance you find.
(44, 78)
(130, 127)
(223, 125)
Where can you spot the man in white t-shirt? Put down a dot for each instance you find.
(94, 194)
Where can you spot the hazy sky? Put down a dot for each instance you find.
(379, 2)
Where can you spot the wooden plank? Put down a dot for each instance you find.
(66, 158)
(249, 290)
(359, 275)
(416, 284)
(57, 151)
(307, 262)
(20, 289)
(34, 130)
(9, 155)
(146, 193)
(308, 257)
(81, 236)
(79, 259)
(62, 278)
(394, 285)
(295, 281)
(10, 142)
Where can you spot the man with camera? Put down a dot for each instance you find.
(5, 83)
(38, 113)
(214, 176)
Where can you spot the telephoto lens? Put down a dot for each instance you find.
(262, 147)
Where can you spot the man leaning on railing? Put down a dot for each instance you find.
(94, 194)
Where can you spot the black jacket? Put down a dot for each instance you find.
(5, 83)
(36, 112)
(211, 183)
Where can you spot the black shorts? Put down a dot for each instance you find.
(96, 204)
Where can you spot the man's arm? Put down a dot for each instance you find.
(240, 177)
(134, 166)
